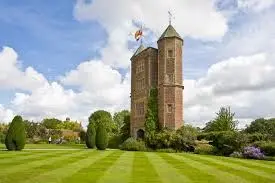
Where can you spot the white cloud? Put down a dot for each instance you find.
(13, 77)
(245, 83)
(255, 5)
(6, 115)
(197, 19)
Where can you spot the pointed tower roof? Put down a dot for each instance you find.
(139, 50)
(170, 32)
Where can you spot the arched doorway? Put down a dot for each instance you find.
(140, 134)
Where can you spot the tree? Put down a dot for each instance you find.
(151, 118)
(52, 123)
(101, 117)
(90, 136)
(262, 126)
(101, 138)
(119, 120)
(125, 129)
(16, 135)
(223, 122)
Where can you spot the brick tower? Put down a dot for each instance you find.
(161, 68)
(170, 81)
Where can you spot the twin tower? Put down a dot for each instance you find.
(160, 68)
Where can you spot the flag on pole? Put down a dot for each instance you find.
(138, 34)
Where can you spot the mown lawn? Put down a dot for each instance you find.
(82, 165)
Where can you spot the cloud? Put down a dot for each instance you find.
(12, 76)
(246, 83)
(255, 5)
(197, 19)
(6, 115)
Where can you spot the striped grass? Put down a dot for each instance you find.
(114, 166)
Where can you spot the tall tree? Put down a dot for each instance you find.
(90, 136)
(125, 129)
(263, 126)
(224, 121)
(101, 117)
(119, 120)
(16, 135)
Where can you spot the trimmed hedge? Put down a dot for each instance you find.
(16, 135)
(90, 136)
(101, 138)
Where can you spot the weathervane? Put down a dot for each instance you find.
(170, 17)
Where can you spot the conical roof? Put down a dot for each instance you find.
(170, 32)
(139, 50)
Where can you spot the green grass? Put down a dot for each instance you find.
(50, 146)
(114, 166)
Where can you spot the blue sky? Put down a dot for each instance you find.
(65, 40)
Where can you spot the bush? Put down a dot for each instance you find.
(226, 142)
(132, 144)
(16, 136)
(101, 138)
(236, 154)
(204, 149)
(252, 152)
(267, 147)
(2, 138)
(115, 141)
(90, 136)
(254, 137)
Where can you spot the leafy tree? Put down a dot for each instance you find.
(16, 135)
(101, 117)
(151, 118)
(125, 129)
(262, 126)
(52, 123)
(223, 122)
(90, 136)
(119, 120)
(101, 138)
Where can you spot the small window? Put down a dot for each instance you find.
(169, 108)
(170, 53)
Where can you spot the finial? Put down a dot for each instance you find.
(170, 17)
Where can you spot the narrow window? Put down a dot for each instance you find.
(169, 108)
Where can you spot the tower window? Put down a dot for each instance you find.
(170, 53)
(169, 108)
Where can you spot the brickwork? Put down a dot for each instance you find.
(161, 68)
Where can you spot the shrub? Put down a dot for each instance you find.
(16, 136)
(132, 144)
(254, 137)
(101, 138)
(252, 152)
(226, 142)
(90, 136)
(2, 138)
(236, 154)
(267, 147)
(115, 141)
(204, 149)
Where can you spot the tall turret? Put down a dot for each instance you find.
(170, 80)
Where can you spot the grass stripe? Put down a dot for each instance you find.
(36, 163)
(94, 172)
(166, 172)
(210, 170)
(30, 157)
(44, 168)
(143, 170)
(253, 175)
(191, 173)
(11, 154)
(60, 174)
(246, 162)
(120, 172)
